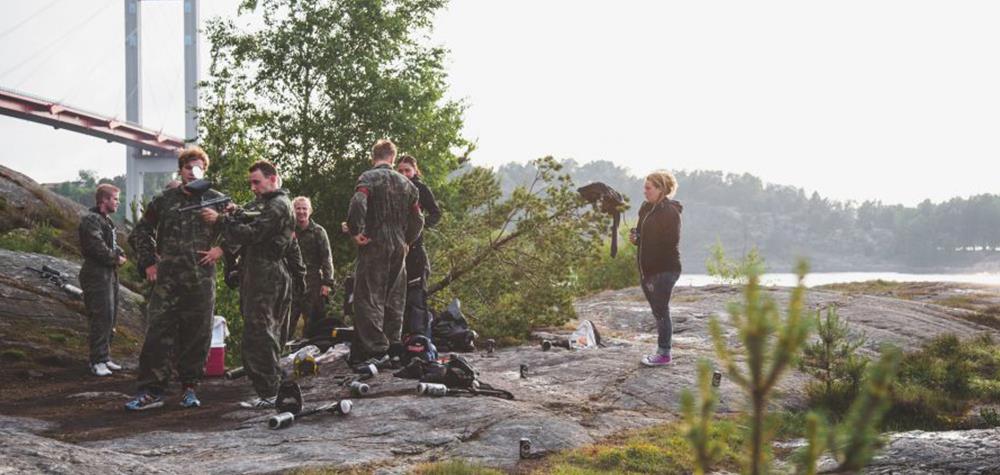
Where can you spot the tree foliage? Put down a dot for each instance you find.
(515, 260)
(730, 271)
(771, 344)
(316, 84)
(832, 359)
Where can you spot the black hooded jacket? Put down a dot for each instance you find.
(659, 237)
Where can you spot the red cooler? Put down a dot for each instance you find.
(215, 365)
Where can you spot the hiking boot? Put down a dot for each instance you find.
(190, 399)
(258, 403)
(144, 400)
(100, 369)
(656, 360)
(113, 366)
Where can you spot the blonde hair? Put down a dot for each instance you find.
(384, 150)
(663, 181)
(304, 199)
(104, 190)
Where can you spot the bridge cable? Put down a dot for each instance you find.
(51, 44)
(26, 20)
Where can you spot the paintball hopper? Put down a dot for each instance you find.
(305, 365)
(289, 398)
(199, 185)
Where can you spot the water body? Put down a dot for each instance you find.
(824, 278)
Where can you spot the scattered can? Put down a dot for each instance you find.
(716, 379)
(524, 371)
(491, 345)
(432, 389)
(281, 421)
(235, 373)
(359, 389)
(524, 448)
(546, 345)
(343, 407)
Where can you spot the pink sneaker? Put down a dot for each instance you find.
(655, 360)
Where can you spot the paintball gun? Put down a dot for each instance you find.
(198, 187)
(57, 279)
(213, 203)
(289, 403)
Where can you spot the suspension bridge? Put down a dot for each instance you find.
(147, 150)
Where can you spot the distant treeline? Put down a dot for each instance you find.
(784, 222)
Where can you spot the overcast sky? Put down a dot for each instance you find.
(890, 100)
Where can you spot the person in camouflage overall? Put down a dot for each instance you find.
(263, 230)
(176, 252)
(315, 246)
(384, 219)
(99, 277)
(416, 316)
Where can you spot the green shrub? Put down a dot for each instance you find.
(454, 467)
(11, 354)
(833, 361)
(39, 240)
(990, 416)
(656, 450)
(733, 272)
(58, 338)
(940, 382)
(611, 273)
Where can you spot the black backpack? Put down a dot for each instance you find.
(458, 374)
(611, 202)
(451, 332)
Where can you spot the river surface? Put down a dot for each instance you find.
(824, 278)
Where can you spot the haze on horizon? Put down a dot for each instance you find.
(889, 100)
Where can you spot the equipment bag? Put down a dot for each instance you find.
(450, 330)
(609, 201)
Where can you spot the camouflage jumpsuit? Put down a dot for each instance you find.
(265, 284)
(385, 209)
(99, 280)
(315, 246)
(297, 271)
(182, 300)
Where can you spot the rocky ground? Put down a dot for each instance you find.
(59, 419)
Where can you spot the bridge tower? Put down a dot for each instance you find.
(137, 161)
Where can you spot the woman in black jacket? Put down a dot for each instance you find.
(416, 319)
(658, 237)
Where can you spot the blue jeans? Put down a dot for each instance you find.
(658, 288)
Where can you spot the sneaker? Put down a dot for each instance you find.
(100, 369)
(656, 360)
(190, 399)
(258, 403)
(144, 400)
(113, 366)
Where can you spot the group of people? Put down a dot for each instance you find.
(281, 261)
(277, 256)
